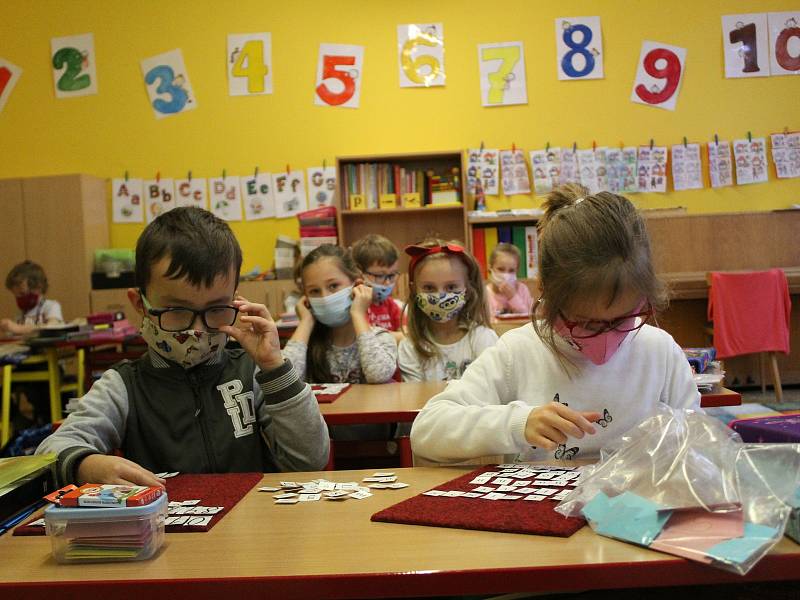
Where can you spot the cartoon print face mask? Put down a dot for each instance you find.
(188, 348)
(441, 307)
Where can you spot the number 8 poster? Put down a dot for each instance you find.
(658, 75)
(339, 73)
(168, 84)
(579, 48)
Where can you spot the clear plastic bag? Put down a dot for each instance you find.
(683, 483)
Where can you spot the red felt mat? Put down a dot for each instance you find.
(325, 398)
(517, 516)
(213, 489)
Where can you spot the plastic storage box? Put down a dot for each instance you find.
(106, 534)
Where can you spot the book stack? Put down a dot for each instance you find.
(317, 227)
(392, 185)
(524, 237)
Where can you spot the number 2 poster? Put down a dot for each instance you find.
(72, 59)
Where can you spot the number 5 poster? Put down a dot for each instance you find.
(421, 59)
(502, 72)
(659, 75)
(339, 73)
(579, 48)
(168, 84)
(73, 62)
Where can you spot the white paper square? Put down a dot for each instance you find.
(224, 198)
(253, 78)
(126, 201)
(420, 54)
(569, 166)
(340, 69)
(579, 48)
(652, 90)
(159, 197)
(786, 154)
(484, 166)
(502, 74)
(258, 197)
(168, 85)
(720, 164)
(191, 192)
(687, 172)
(290, 193)
(73, 61)
(321, 186)
(9, 75)
(784, 43)
(514, 172)
(546, 169)
(743, 27)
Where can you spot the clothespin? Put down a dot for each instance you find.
(189, 176)
(547, 147)
(684, 141)
(574, 146)
(749, 137)
(324, 164)
(651, 143)
(126, 177)
(594, 146)
(621, 145)
(481, 146)
(716, 139)
(785, 131)
(255, 173)
(224, 174)
(158, 177)
(513, 148)
(288, 170)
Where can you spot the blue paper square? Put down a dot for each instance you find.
(738, 550)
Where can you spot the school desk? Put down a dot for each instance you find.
(365, 404)
(332, 550)
(720, 396)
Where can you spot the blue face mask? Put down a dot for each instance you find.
(333, 310)
(380, 292)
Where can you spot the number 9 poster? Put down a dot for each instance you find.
(658, 75)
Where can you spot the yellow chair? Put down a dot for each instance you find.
(50, 373)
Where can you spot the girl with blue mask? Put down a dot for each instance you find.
(334, 342)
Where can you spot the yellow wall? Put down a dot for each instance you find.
(116, 131)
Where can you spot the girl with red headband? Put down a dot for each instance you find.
(447, 313)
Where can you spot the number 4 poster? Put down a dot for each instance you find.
(579, 48)
(168, 84)
(658, 75)
(339, 74)
(73, 62)
(249, 64)
(421, 54)
(502, 73)
(9, 75)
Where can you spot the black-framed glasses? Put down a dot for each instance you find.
(179, 318)
(383, 278)
(581, 330)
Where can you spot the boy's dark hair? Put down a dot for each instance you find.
(374, 248)
(200, 247)
(30, 272)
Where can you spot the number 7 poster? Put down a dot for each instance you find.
(502, 73)
(339, 74)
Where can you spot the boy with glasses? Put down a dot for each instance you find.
(189, 404)
(377, 259)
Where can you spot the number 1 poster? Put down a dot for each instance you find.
(168, 85)
(339, 73)
(744, 40)
(73, 61)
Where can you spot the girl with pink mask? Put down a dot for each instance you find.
(587, 368)
(505, 294)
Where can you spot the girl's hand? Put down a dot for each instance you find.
(303, 312)
(507, 290)
(550, 425)
(362, 298)
(257, 334)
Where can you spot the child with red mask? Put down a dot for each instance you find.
(28, 283)
(587, 368)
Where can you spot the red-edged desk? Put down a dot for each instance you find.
(720, 396)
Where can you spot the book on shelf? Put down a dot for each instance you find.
(392, 185)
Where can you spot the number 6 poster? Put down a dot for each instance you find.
(658, 75)
(339, 73)
(421, 59)
(168, 84)
(73, 62)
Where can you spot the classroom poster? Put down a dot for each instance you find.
(514, 172)
(168, 86)
(687, 171)
(720, 165)
(321, 186)
(784, 43)
(224, 198)
(570, 172)
(258, 197)
(652, 168)
(745, 43)
(546, 169)
(502, 74)
(73, 61)
(420, 54)
(621, 168)
(126, 201)
(159, 197)
(249, 61)
(340, 70)
(290, 193)
(786, 154)
(9, 75)
(658, 75)
(191, 191)
(579, 48)
(750, 157)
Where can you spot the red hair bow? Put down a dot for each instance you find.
(417, 253)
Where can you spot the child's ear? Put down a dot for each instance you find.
(135, 298)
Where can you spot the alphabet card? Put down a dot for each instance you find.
(659, 75)
(546, 169)
(720, 166)
(159, 197)
(751, 160)
(9, 75)
(74, 69)
(745, 45)
(290, 193)
(126, 201)
(191, 192)
(225, 201)
(321, 186)
(339, 73)
(168, 85)
(420, 50)
(652, 161)
(786, 154)
(514, 172)
(579, 48)
(502, 74)
(687, 171)
(249, 64)
(784, 43)
(257, 197)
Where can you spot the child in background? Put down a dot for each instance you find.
(334, 342)
(588, 368)
(505, 293)
(28, 282)
(447, 319)
(377, 259)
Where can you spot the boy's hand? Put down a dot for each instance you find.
(549, 425)
(258, 334)
(100, 468)
(303, 312)
(362, 298)
(10, 326)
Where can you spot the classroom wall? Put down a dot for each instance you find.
(115, 131)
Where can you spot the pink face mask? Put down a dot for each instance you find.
(598, 349)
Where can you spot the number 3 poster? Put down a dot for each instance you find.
(168, 84)
(73, 62)
(339, 73)
(659, 75)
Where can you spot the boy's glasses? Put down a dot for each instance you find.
(179, 318)
(580, 330)
(384, 278)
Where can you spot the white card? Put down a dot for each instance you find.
(514, 172)
(360, 495)
(502, 480)
(484, 489)
(471, 495)
(339, 74)
(309, 497)
(290, 193)
(786, 154)
(287, 501)
(433, 493)
(168, 85)
(191, 192)
(658, 75)
(652, 168)
(579, 48)
(249, 62)
(502, 74)
(198, 521)
(420, 54)
(784, 43)
(745, 45)
(127, 203)
(454, 493)
(720, 165)
(9, 75)
(258, 197)
(321, 186)
(536, 498)
(159, 197)
(73, 61)
(546, 169)
(224, 198)
(751, 160)
(687, 173)
(569, 166)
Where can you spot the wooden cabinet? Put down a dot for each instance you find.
(57, 222)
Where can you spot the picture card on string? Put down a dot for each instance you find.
(290, 193)
(687, 173)
(514, 172)
(786, 154)
(321, 186)
(126, 201)
(258, 197)
(546, 169)
(191, 192)
(720, 165)
(224, 199)
(159, 197)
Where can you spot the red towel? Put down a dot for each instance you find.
(750, 312)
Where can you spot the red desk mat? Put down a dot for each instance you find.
(326, 398)
(212, 489)
(518, 516)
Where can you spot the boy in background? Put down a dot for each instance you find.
(377, 259)
(28, 282)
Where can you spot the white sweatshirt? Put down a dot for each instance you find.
(484, 413)
(453, 358)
